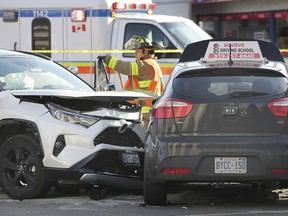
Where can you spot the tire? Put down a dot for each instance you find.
(22, 174)
(154, 193)
(96, 192)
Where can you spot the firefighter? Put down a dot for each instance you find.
(144, 75)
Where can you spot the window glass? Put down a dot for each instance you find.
(41, 35)
(281, 28)
(31, 73)
(246, 25)
(219, 84)
(153, 34)
(210, 24)
(186, 32)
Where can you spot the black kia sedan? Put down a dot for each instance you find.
(222, 119)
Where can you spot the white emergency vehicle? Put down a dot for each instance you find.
(75, 32)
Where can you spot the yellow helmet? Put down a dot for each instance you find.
(137, 42)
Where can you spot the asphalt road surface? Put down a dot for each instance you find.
(196, 200)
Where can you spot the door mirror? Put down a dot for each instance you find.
(73, 69)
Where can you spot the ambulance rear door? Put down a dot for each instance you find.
(44, 30)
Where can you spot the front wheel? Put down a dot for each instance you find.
(154, 193)
(21, 171)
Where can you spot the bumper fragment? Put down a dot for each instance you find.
(113, 181)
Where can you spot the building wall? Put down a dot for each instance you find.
(238, 6)
(259, 19)
(182, 8)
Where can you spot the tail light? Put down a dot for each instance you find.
(171, 108)
(279, 107)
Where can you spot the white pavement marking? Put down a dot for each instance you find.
(242, 213)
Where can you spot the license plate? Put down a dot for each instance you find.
(231, 165)
(130, 159)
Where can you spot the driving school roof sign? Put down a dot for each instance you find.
(245, 49)
(237, 50)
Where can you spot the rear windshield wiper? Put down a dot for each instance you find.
(247, 94)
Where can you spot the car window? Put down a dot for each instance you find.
(186, 32)
(152, 33)
(216, 83)
(18, 73)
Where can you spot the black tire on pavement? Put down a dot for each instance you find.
(96, 193)
(154, 193)
(22, 174)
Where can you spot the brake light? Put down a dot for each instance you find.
(279, 171)
(119, 6)
(169, 108)
(279, 107)
(176, 171)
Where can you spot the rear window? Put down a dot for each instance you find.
(220, 83)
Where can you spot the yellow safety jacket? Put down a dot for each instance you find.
(145, 76)
(153, 87)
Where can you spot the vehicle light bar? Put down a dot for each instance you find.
(152, 6)
(143, 6)
(133, 6)
(119, 6)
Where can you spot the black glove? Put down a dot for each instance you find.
(101, 58)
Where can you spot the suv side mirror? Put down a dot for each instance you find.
(73, 69)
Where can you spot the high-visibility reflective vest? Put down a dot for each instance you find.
(153, 87)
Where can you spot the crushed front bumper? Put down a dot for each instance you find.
(108, 167)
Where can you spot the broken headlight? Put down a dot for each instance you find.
(71, 116)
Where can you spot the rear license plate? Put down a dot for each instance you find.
(130, 159)
(231, 165)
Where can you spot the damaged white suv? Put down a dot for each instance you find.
(55, 128)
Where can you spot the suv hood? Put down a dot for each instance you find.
(70, 94)
(112, 104)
